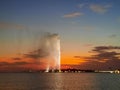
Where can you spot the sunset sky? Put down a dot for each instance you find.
(89, 31)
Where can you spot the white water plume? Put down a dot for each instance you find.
(51, 44)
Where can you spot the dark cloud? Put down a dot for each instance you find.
(20, 63)
(104, 57)
(105, 53)
(37, 54)
(16, 58)
(77, 56)
(105, 48)
(108, 65)
(13, 64)
(4, 63)
(113, 36)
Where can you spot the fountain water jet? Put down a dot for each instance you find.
(52, 46)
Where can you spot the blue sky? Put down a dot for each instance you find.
(94, 17)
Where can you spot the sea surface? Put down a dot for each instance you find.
(59, 81)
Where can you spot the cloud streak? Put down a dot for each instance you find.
(113, 36)
(37, 54)
(105, 54)
(73, 15)
(105, 48)
(97, 8)
(16, 58)
(14, 63)
(81, 5)
(101, 9)
(103, 58)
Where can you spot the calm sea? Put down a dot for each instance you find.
(59, 81)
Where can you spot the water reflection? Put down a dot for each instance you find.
(59, 81)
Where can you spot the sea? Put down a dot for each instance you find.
(59, 81)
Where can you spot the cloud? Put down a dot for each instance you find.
(107, 65)
(16, 58)
(104, 53)
(13, 64)
(103, 58)
(20, 63)
(72, 15)
(100, 8)
(4, 25)
(40, 53)
(81, 5)
(77, 56)
(104, 48)
(113, 36)
(4, 63)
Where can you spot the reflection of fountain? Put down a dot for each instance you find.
(52, 45)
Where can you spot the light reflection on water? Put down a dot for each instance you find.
(59, 81)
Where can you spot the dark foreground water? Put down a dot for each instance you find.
(59, 81)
